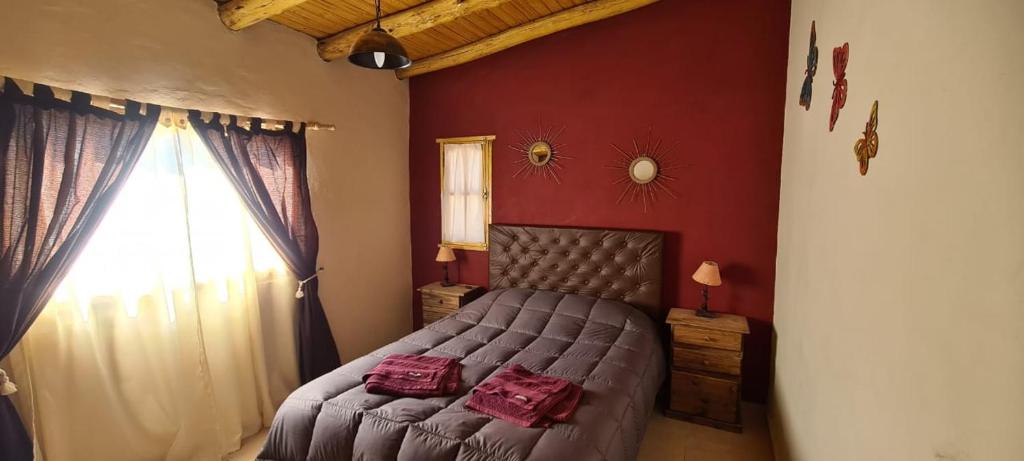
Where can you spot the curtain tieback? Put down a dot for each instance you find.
(7, 386)
(300, 293)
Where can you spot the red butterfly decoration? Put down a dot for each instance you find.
(840, 56)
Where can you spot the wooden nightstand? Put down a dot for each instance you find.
(706, 376)
(439, 301)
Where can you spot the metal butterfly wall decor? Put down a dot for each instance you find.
(812, 68)
(840, 56)
(866, 148)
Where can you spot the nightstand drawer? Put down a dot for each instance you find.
(445, 302)
(440, 311)
(431, 317)
(705, 396)
(707, 359)
(439, 301)
(707, 338)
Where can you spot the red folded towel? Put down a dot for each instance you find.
(407, 375)
(525, 398)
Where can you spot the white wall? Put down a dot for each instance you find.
(177, 53)
(899, 308)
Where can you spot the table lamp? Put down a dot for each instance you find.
(707, 275)
(445, 255)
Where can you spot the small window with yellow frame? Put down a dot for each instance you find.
(465, 191)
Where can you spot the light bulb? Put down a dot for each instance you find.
(378, 58)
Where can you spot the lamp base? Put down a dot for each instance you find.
(445, 282)
(704, 312)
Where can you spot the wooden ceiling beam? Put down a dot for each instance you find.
(239, 14)
(595, 10)
(404, 23)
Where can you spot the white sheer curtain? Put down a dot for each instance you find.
(462, 197)
(173, 336)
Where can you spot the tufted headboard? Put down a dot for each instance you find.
(612, 264)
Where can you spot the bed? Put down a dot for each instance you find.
(575, 303)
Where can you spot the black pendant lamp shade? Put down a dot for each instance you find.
(377, 49)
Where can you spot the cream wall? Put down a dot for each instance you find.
(178, 53)
(899, 308)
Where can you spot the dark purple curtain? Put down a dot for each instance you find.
(268, 168)
(61, 166)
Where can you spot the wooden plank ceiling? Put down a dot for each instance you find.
(436, 33)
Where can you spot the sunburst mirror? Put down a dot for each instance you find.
(643, 168)
(541, 153)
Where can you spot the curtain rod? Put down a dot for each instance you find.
(118, 105)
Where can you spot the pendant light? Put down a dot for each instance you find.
(377, 49)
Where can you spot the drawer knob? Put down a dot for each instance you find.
(709, 339)
(706, 362)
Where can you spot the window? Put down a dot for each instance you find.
(177, 225)
(173, 329)
(465, 191)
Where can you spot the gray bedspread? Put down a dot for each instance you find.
(609, 347)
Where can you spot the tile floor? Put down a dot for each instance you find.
(250, 448)
(673, 440)
(666, 440)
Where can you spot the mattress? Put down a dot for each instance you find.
(609, 347)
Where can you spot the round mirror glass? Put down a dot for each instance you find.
(540, 153)
(643, 170)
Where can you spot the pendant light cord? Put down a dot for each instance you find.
(378, 14)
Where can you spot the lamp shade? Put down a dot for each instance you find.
(707, 274)
(445, 255)
(378, 49)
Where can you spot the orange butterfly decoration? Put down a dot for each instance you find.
(867, 147)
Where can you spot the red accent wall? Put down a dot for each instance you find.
(707, 75)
